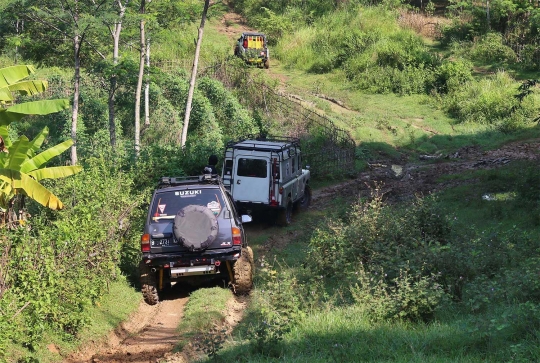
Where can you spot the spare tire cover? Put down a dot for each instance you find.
(195, 226)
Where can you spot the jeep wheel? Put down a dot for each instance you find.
(243, 272)
(148, 284)
(305, 201)
(285, 215)
(267, 64)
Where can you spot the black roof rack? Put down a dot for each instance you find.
(168, 181)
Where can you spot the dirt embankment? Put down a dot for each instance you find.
(400, 181)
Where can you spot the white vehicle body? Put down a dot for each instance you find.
(264, 173)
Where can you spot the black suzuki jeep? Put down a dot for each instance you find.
(193, 233)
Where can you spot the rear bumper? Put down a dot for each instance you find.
(160, 259)
(256, 207)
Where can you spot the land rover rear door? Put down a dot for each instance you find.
(251, 178)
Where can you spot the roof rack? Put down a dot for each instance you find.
(168, 181)
(292, 141)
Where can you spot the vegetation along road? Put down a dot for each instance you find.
(420, 124)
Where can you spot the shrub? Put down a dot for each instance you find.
(409, 296)
(278, 306)
(490, 49)
(234, 120)
(451, 75)
(64, 262)
(530, 57)
(488, 101)
(388, 253)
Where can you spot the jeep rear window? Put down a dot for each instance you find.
(167, 204)
(255, 168)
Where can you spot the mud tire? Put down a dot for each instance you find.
(285, 215)
(305, 201)
(266, 64)
(243, 272)
(148, 284)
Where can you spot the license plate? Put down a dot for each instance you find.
(162, 242)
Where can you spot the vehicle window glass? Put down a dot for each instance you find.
(255, 168)
(228, 167)
(293, 161)
(167, 204)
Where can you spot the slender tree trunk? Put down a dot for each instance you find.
(193, 75)
(112, 86)
(114, 79)
(76, 92)
(139, 83)
(147, 88)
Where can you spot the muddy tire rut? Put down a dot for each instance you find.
(150, 333)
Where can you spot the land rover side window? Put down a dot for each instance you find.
(228, 167)
(255, 168)
(167, 204)
(293, 164)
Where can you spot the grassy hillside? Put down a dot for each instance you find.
(447, 278)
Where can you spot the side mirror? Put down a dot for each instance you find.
(246, 218)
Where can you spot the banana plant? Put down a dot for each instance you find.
(21, 169)
(12, 81)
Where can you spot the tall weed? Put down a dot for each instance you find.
(490, 101)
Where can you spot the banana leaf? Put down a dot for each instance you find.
(40, 159)
(11, 75)
(38, 140)
(22, 182)
(44, 107)
(55, 172)
(17, 153)
(26, 88)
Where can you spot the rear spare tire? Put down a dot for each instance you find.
(243, 272)
(196, 227)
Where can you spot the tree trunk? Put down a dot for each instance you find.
(76, 92)
(193, 76)
(114, 80)
(147, 88)
(139, 83)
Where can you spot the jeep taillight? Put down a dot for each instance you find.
(145, 243)
(236, 236)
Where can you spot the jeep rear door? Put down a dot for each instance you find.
(251, 179)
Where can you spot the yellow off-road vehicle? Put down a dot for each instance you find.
(253, 48)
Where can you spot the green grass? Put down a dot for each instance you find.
(204, 311)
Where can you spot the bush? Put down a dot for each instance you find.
(451, 75)
(388, 254)
(489, 101)
(407, 297)
(64, 261)
(530, 57)
(490, 49)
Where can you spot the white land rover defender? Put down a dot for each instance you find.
(265, 173)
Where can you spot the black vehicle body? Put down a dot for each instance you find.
(168, 256)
